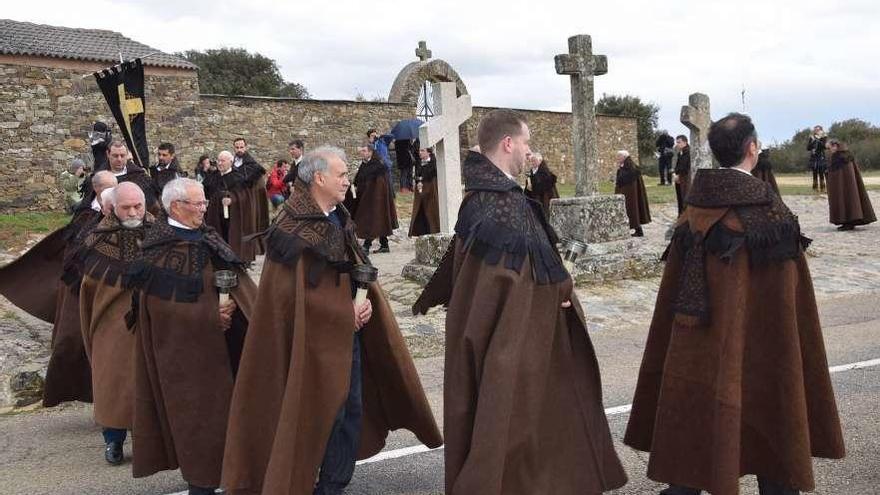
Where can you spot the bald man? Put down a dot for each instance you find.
(105, 298)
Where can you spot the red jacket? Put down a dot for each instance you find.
(275, 184)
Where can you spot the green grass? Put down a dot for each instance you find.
(16, 227)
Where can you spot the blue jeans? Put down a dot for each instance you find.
(114, 435)
(341, 454)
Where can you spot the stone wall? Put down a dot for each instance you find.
(46, 111)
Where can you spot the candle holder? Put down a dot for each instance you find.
(225, 280)
(225, 206)
(573, 249)
(363, 275)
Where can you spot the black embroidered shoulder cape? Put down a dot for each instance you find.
(771, 233)
(302, 226)
(109, 251)
(171, 267)
(496, 221)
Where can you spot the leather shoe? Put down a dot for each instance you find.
(383, 249)
(197, 490)
(113, 453)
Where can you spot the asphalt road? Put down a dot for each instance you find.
(60, 451)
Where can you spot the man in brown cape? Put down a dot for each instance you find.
(105, 259)
(375, 214)
(254, 177)
(848, 201)
(426, 199)
(540, 182)
(734, 379)
(52, 261)
(188, 343)
(228, 187)
(764, 170)
(629, 182)
(322, 379)
(522, 398)
(682, 171)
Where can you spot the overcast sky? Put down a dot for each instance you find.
(800, 62)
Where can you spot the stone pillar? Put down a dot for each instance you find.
(581, 65)
(697, 118)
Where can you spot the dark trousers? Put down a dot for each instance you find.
(664, 164)
(765, 487)
(337, 467)
(819, 179)
(368, 243)
(406, 178)
(114, 435)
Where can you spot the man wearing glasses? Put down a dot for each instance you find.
(188, 342)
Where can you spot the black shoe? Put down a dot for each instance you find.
(113, 453)
(638, 233)
(846, 226)
(383, 249)
(197, 490)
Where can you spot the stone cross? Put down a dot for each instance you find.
(696, 117)
(441, 131)
(582, 65)
(422, 51)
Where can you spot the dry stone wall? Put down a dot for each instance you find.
(45, 113)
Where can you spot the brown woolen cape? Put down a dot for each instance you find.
(523, 409)
(848, 201)
(242, 216)
(542, 186)
(104, 301)
(375, 214)
(631, 184)
(183, 361)
(68, 375)
(734, 379)
(23, 281)
(764, 170)
(295, 370)
(426, 210)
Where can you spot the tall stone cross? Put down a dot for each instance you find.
(422, 51)
(582, 65)
(441, 131)
(696, 117)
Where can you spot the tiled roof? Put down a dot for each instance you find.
(25, 38)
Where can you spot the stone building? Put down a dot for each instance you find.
(48, 101)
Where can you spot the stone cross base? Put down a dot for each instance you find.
(611, 253)
(590, 219)
(429, 251)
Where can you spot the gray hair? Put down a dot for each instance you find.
(108, 196)
(176, 191)
(537, 156)
(317, 161)
(225, 153)
(623, 153)
(102, 177)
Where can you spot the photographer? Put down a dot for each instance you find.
(71, 181)
(816, 147)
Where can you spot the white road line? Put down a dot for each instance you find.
(854, 366)
(611, 411)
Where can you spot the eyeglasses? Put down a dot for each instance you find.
(197, 204)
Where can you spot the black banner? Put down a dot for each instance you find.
(123, 88)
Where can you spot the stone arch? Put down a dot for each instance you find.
(408, 85)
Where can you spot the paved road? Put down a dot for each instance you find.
(59, 451)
